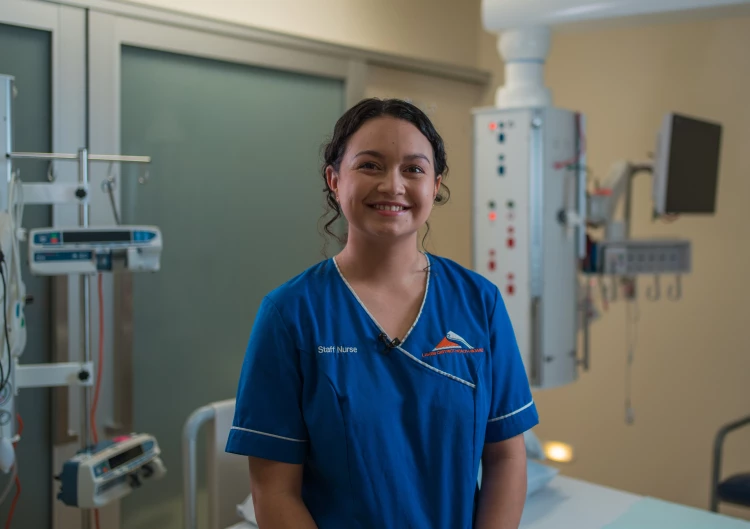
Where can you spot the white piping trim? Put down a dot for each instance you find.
(424, 299)
(408, 354)
(268, 434)
(435, 369)
(519, 410)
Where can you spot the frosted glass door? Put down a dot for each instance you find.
(235, 187)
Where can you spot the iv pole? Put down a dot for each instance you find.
(83, 158)
(57, 374)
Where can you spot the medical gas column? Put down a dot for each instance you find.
(526, 201)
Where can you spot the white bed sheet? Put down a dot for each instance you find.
(566, 503)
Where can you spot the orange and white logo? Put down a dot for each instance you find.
(452, 343)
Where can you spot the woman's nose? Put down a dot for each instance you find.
(392, 183)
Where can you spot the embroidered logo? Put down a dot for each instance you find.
(453, 343)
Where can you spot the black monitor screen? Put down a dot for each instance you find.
(124, 457)
(96, 236)
(693, 166)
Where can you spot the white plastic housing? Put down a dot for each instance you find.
(524, 52)
(522, 181)
(499, 15)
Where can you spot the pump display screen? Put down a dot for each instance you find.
(124, 457)
(95, 236)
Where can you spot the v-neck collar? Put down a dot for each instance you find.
(372, 318)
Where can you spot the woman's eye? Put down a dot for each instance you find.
(368, 165)
(414, 169)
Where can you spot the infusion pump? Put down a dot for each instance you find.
(58, 251)
(109, 471)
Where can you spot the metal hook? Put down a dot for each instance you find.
(108, 184)
(674, 292)
(653, 294)
(51, 176)
(144, 177)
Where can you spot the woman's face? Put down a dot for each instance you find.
(386, 184)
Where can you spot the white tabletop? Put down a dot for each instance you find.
(567, 502)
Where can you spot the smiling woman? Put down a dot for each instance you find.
(391, 436)
(384, 124)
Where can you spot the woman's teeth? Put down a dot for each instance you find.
(389, 208)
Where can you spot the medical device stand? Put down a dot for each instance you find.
(55, 374)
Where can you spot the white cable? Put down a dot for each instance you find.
(632, 315)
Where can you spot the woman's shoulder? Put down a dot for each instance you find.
(461, 273)
(309, 282)
(460, 278)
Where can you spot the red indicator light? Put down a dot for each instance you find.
(491, 265)
(493, 126)
(511, 243)
(492, 252)
(511, 289)
(510, 229)
(510, 277)
(492, 215)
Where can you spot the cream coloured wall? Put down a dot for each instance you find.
(692, 362)
(439, 30)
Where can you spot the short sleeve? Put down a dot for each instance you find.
(512, 408)
(268, 420)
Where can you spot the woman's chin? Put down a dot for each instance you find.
(385, 233)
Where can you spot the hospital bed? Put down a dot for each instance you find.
(563, 503)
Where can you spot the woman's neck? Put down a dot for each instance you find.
(391, 261)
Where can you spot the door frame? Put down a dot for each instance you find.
(67, 25)
(107, 34)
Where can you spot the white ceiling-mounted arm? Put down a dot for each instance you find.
(524, 40)
(524, 51)
(603, 203)
(500, 15)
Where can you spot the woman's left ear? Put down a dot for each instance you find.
(333, 180)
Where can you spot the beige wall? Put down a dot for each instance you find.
(692, 362)
(439, 30)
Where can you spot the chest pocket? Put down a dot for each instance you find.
(411, 437)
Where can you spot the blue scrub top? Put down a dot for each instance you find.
(390, 437)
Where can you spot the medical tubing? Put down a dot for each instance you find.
(112, 203)
(15, 502)
(5, 378)
(17, 479)
(100, 362)
(6, 491)
(98, 381)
